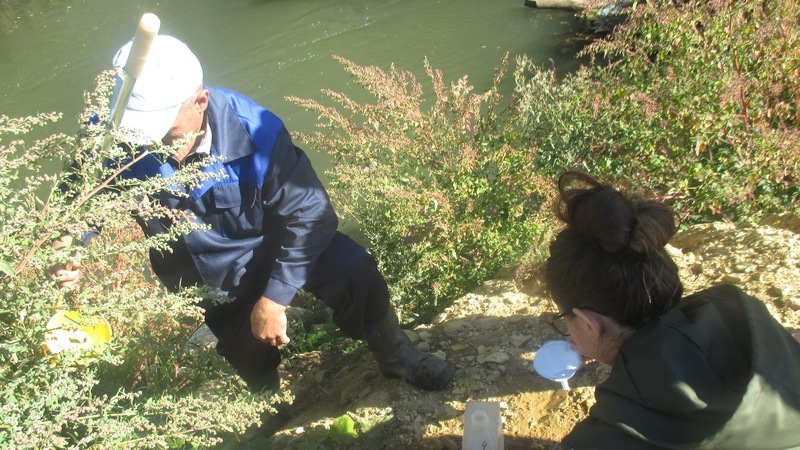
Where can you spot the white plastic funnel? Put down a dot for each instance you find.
(557, 361)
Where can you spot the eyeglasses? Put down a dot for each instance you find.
(559, 324)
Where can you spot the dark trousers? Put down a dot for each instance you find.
(345, 278)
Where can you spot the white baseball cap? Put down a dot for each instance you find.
(170, 76)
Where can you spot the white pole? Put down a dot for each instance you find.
(142, 41)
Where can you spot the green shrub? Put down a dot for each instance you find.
(694, 102)
(141, 390)
(698, 104)
(444, 197)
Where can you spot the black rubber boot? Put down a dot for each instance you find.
(398, 358)
(272, 422)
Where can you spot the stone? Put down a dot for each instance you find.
(519, 340)
(497, 357)
(412, 336)
(440, 318)
(454, 326)
(779, 291)
(731, 279)
(487, 323)
(446, 411)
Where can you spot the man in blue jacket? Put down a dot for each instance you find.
(272, 228)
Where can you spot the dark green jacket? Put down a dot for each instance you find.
(716, 372)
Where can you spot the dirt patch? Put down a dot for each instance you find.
(491, 336)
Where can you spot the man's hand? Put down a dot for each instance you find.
(268, 321)
(66, 274)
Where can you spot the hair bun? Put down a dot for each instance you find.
(654, 226)
(605, 218)
(611, 220)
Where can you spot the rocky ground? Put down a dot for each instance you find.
(491, 336)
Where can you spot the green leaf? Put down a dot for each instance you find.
(343, 429)
(6, 268)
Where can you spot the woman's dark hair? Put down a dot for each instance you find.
(610, 257)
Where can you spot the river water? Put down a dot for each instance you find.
(51, 50)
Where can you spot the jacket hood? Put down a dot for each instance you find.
(716, 372)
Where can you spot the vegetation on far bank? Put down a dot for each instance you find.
(697, 103)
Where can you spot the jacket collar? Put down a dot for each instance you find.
(228, 138)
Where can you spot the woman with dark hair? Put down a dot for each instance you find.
(710, 370)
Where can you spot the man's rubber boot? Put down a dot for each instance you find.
(272, 422)
(398, 358)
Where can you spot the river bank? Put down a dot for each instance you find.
(491, 336)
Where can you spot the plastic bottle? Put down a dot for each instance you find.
(482, 427)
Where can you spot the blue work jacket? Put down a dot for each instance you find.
(269, 219)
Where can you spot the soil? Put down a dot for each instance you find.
(491, 336)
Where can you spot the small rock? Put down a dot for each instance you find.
(778, 291)
(508, 301)
(454, 326)
(739, 268)
(478, 387)
(515, 319)
(424, 346)
(202, 337)
(440, 318)
(445, 411)
(519, 340)
(717, 250)
(412, 336)
(487, 323)
(497, 357)
(673, 251)
(731, 279)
